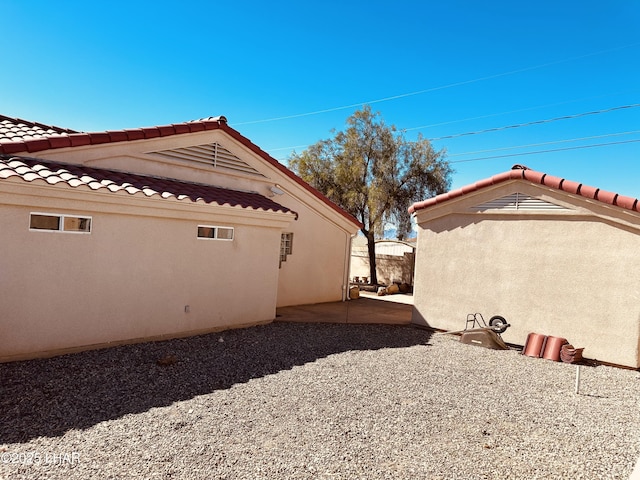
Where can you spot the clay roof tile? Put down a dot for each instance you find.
(135, 134)
(38, 144)
(30, 169)
(166, 130)
(79, 139)
(589, 192)
(553, 182)
(151, 132)
(570, 186)
(60, 141)
(521, 172)
(607, 197)
(626, 202)
(99, 137)
(25, 143)
(117, 135)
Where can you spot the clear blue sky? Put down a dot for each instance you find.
(438, 68)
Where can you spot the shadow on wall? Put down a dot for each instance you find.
(47, 397)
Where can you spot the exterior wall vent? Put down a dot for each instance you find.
(517, 201)
(212, 154)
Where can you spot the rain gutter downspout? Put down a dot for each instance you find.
(347, 266)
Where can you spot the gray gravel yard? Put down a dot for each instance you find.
(301, 400)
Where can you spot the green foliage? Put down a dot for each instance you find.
(373, 172)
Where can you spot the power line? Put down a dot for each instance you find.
(536, 122)
(519, 125)
(568, 140)
(545, 143)
(441, 87)
(527, 109)
(545, 151)
(288, 148)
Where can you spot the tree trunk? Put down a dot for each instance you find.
(371, 247)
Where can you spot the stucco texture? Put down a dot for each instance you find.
(565, 275)
(132, 277)
(142, 273)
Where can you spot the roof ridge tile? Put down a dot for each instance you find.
(523, 173)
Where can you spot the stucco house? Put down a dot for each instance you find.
(157, 232)
(552, 256)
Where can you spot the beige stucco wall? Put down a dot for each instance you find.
(571, 274)
(133, 275)
(318, 269)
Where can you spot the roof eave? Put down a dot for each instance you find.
(536, 178)
(205, 124)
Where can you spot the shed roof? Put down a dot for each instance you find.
(19, 136)
(34, 170)
(520, 172)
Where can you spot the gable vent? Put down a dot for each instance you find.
(517, 201)
(212, 154)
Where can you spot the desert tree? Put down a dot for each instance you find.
(372, 171)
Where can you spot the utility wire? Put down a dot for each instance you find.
(541, 144)
(537, 122)
(545, 151)
(441, 87)
(527, 109)
(288, 148)
(478, 118)
(519, 125)
(569, 140)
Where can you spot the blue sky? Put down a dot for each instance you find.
(443, 69)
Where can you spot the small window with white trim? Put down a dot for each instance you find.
(59, 223)
(215, 233)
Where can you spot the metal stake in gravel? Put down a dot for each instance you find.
(577, 378)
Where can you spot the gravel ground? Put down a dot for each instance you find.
(315, 401)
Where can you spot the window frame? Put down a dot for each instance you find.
(61, 223)
(286, 246)
(215, 233)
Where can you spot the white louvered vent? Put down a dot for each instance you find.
(211, 154)
(517, 201)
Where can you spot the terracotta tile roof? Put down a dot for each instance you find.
(18, 130)
(37, 170)
(49, 137)
(63, 138)
(519, 172)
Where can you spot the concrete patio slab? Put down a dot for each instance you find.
(363, 310)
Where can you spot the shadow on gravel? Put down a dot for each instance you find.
(47, 397)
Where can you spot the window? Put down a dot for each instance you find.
(77, 224)
(59, 223)
(224, 233)
(286, 246)
(215, 233)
